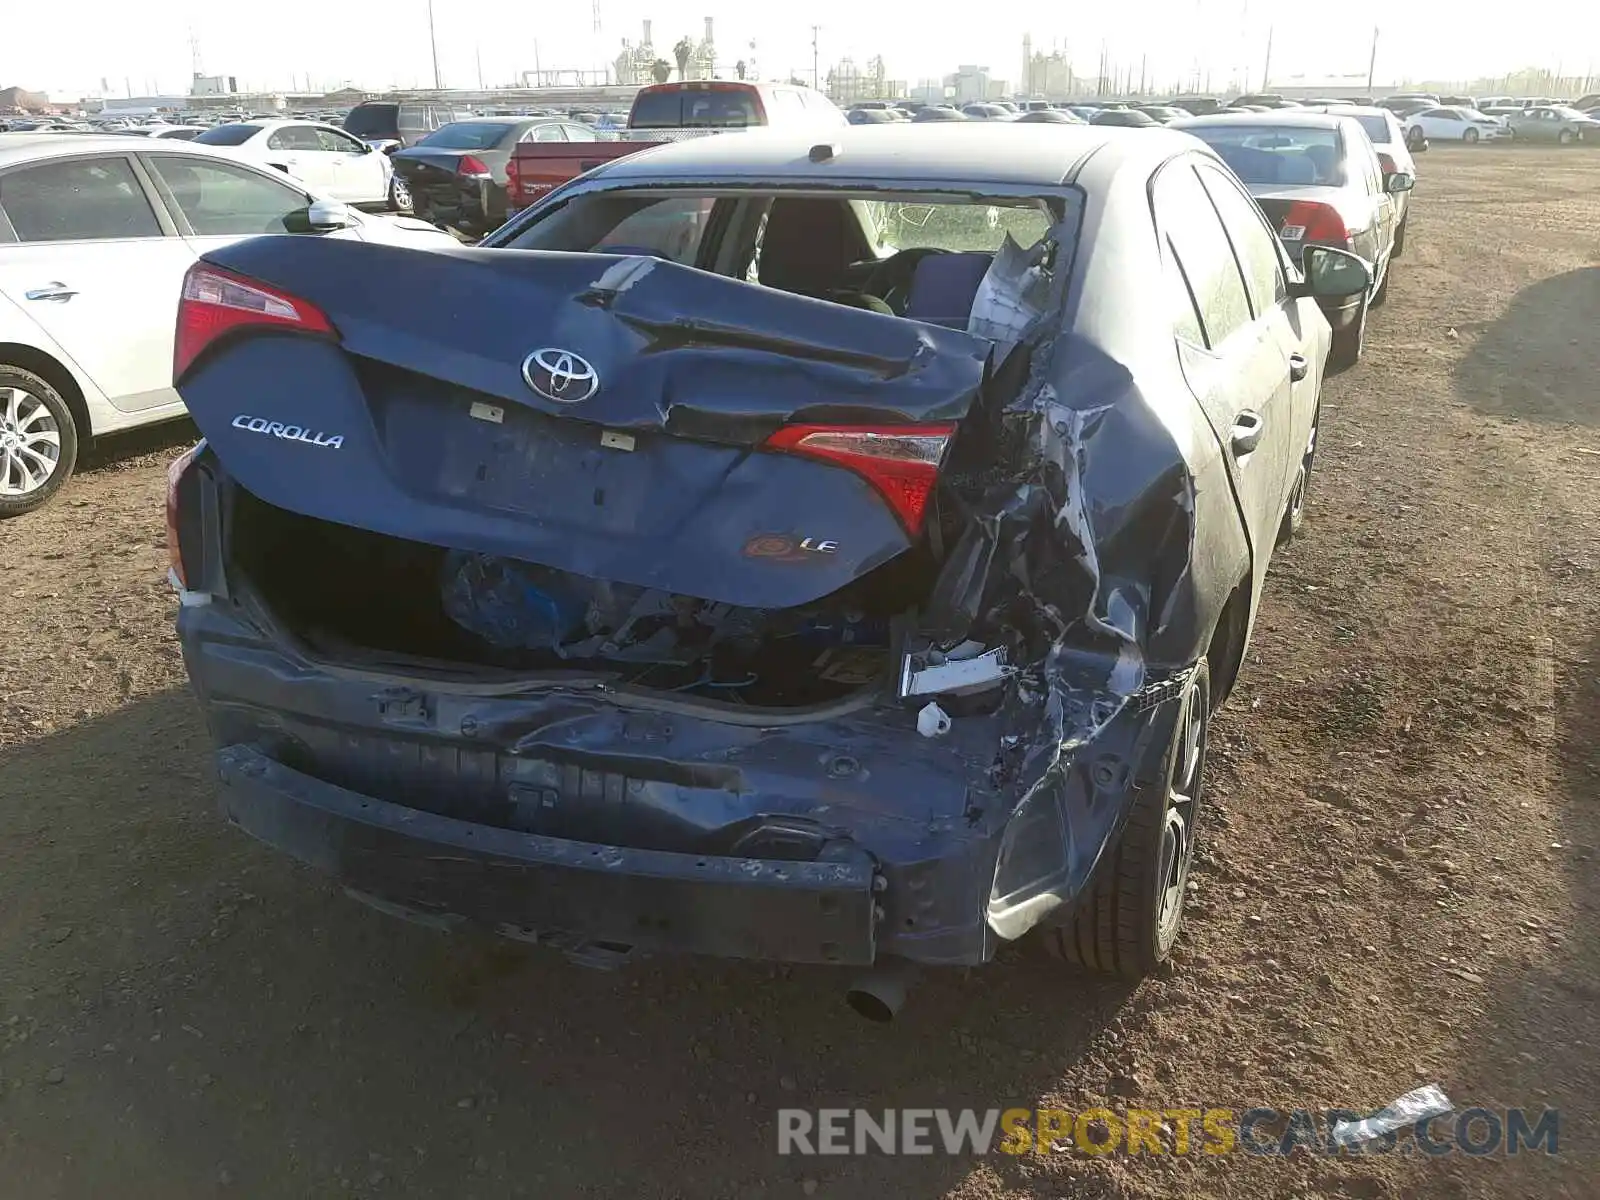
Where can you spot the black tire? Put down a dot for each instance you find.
(1294, 513)
(1348, 344)
(1129, 916)
(1400, 237)
(1382, 294)
(1415, 137)
(1470, 137)
(29, 407)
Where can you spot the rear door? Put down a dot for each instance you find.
(298, 148)
(1237, 363)
(359, 176)
(1295, 327)
(1366, 176)
(99, 271)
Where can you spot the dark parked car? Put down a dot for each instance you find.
(937, 112)
(826, 555)
(457, 175)
(391, 125)
(1126, 118)
(1318, 179)
(987, 112)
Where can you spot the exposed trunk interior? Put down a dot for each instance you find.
(362, 597)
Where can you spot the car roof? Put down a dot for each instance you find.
(32, 147)
(1292, 117)
(1037, 155)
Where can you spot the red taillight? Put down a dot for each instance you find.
(174, 478)
(217, 302)
(900, 461)
(1386, 161)
(1310, 221)
(472, 167)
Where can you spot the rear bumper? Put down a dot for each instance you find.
(573, 893)
(474, 206)
(584, 820)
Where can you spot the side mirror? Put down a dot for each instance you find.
(1334, 273)
(326, 215)
(1400, 181)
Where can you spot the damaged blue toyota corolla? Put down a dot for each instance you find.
(826, 553)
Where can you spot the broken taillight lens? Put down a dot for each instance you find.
(215, 303)
(175, 474)
(900, 461)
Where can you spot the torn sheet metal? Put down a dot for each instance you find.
(952, 676)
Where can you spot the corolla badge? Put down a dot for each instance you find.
(293, 433)
(560, 375)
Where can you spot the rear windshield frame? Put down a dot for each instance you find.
(502, 130)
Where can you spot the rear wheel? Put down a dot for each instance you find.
(38, 441)
(1382, 294)
(1294, 515)
(1470, 136)
(1415, 137)
(1128, 919)
(1348, 344)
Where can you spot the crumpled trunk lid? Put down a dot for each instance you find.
(597, 414)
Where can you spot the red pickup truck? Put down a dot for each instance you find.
(537, 167)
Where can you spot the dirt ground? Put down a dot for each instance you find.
(1397, 886)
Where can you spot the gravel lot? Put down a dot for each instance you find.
(1397, 885)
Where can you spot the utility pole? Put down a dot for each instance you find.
(479, 50)
(433, 42)
(1266, 70)
(1372, 63)
(814, 77)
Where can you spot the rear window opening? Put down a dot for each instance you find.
(917, 255)
(367, 599)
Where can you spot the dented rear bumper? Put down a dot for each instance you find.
(604, 829)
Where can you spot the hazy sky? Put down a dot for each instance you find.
(377, 43)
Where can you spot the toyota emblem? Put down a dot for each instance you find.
(560, 375)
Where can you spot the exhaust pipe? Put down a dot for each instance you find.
(879, 993)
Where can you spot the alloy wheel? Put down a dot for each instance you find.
(1178, 822)
(400, 195)
(30, 443)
